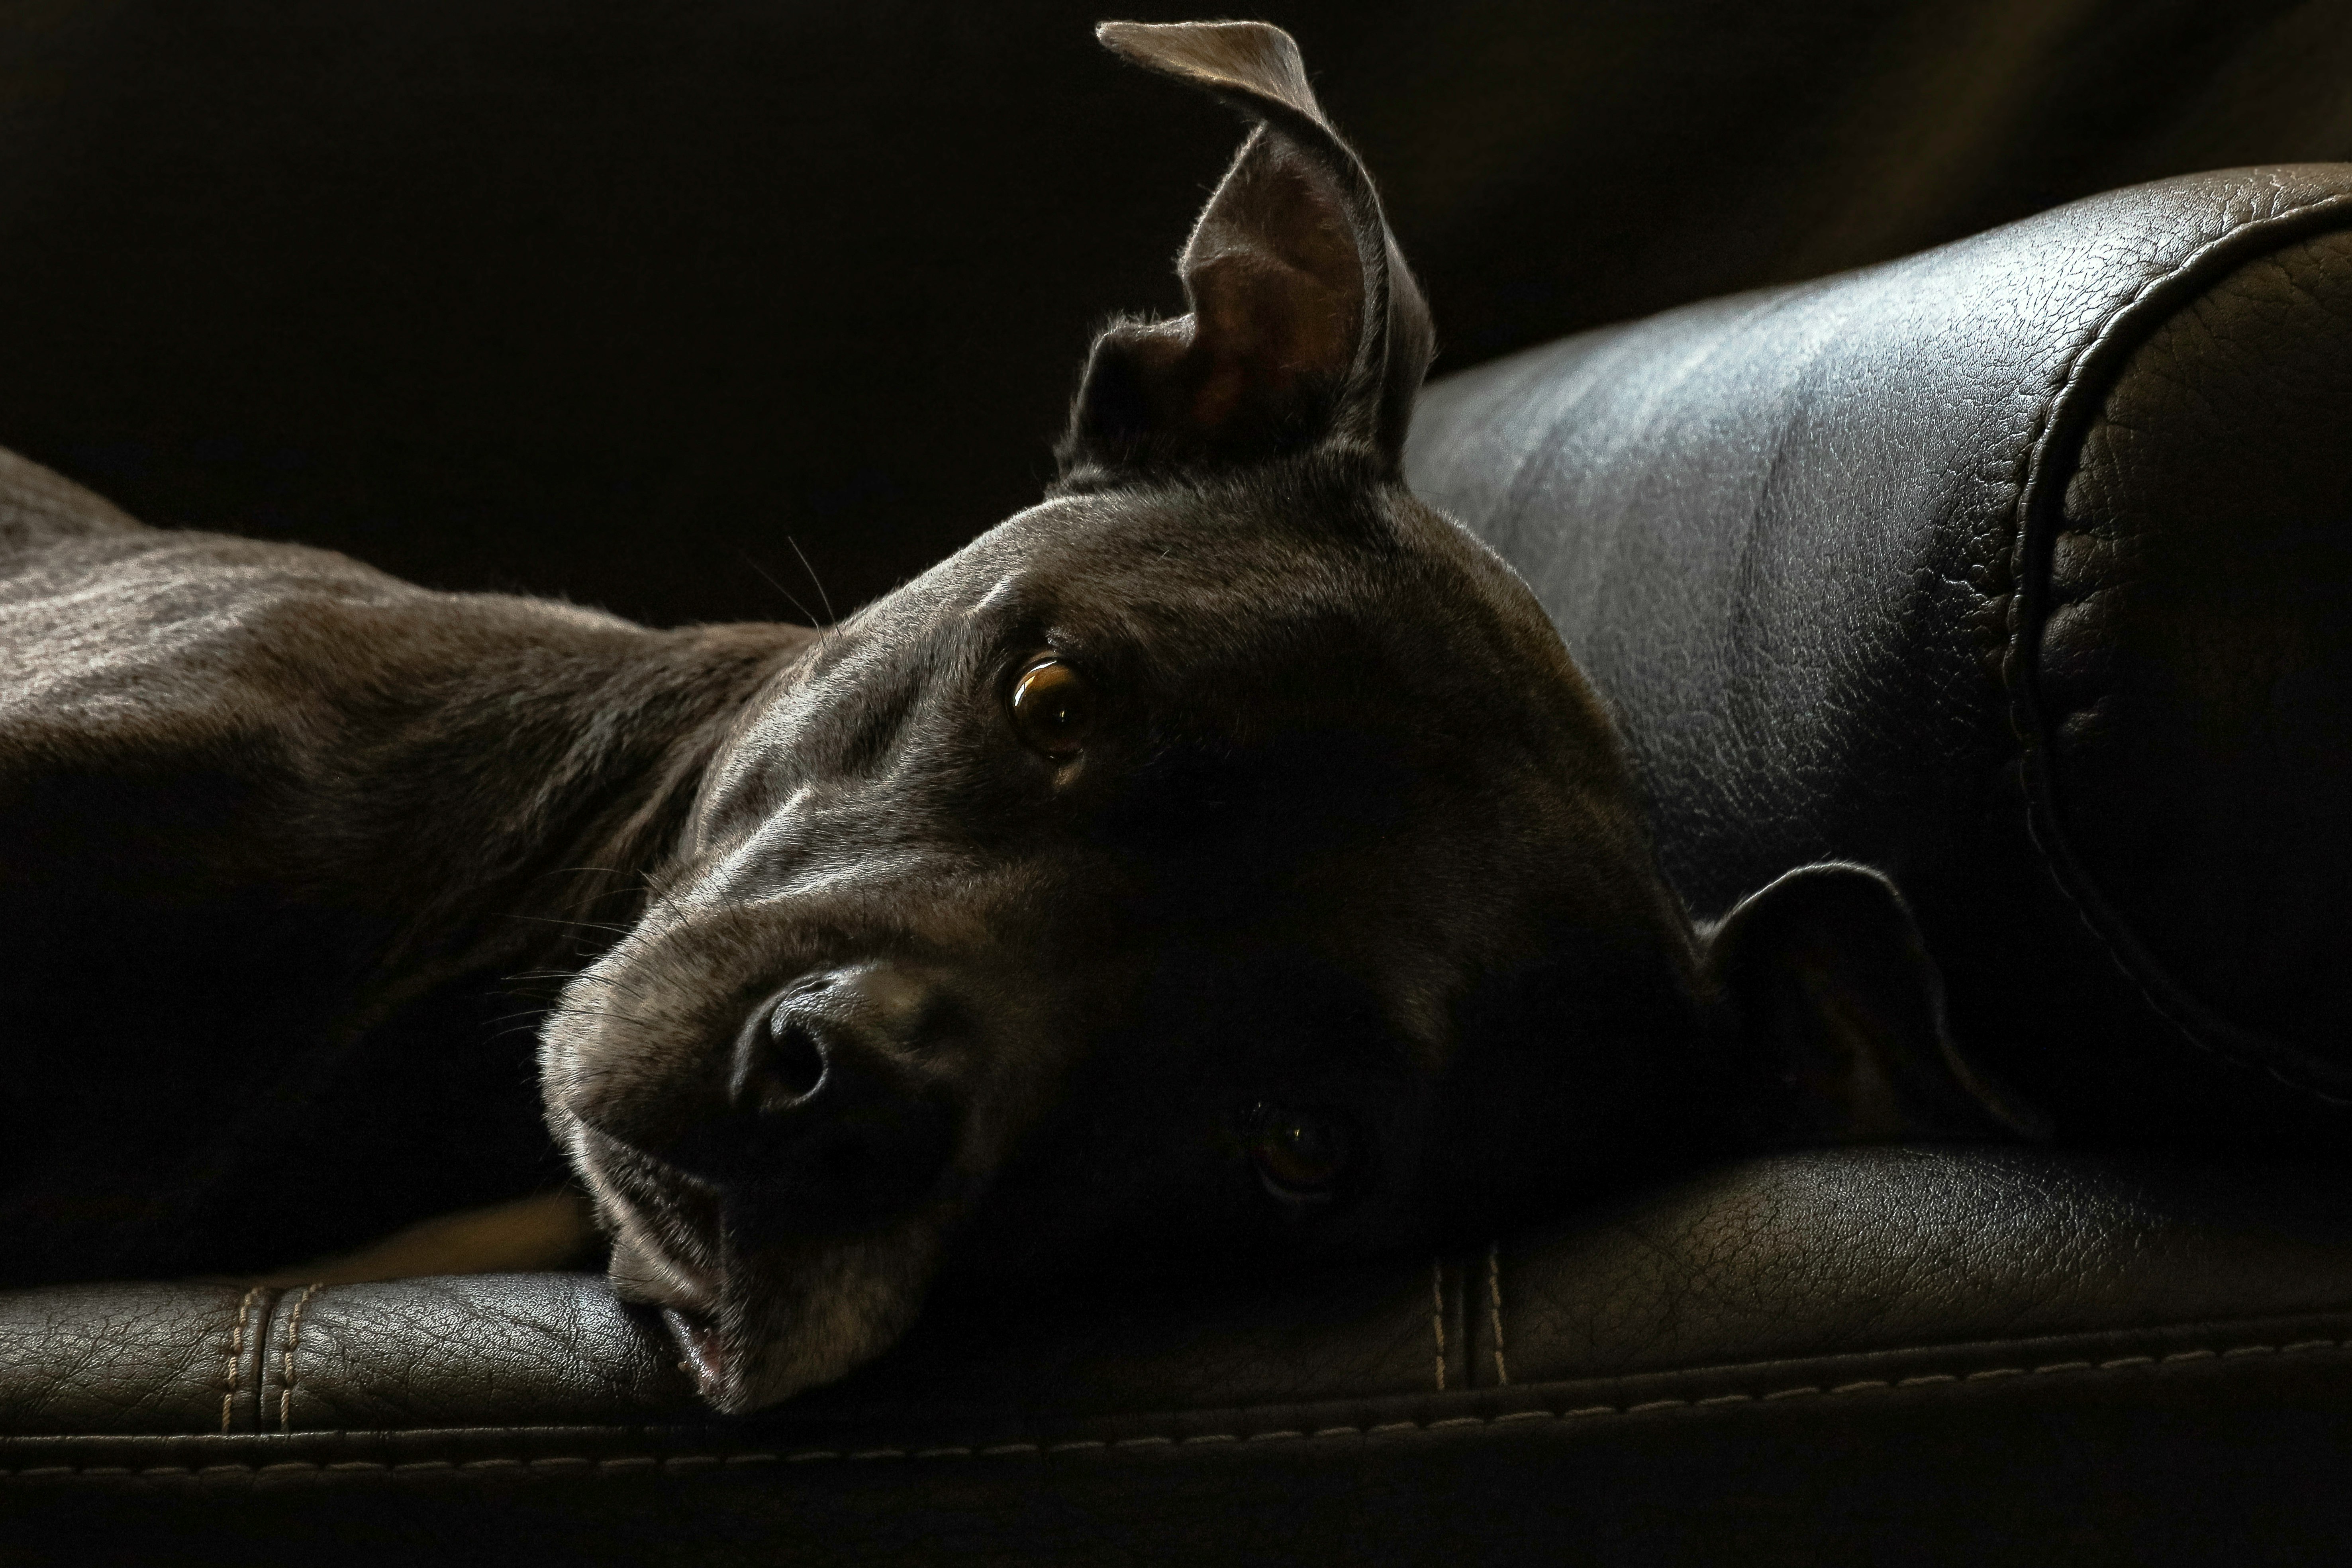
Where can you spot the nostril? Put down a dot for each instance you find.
(780, 1060)
(794, 1056)
(832, 1111)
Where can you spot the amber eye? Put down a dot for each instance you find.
(1299, 1154)
(1053, 707)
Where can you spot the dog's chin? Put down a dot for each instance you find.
(779, 1316)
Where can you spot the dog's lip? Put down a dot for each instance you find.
(647, 1268)
(661, 1279)
(643, 1212)
(704, 1347)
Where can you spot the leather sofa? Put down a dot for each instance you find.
(2019, 568)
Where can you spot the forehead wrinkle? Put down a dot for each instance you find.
(1000, 598)
(1214, 572)
(1281, 604)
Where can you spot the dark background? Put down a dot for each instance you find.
(611, 301)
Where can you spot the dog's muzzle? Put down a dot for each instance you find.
(832, 1123)
(829, 1120)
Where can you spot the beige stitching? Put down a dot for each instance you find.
(1495, 1308)
(233, 1372)
(698, 1461)
(1438, 1314)
(286, 1358)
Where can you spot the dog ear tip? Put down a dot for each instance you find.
(1257, 58)
(1834, 883)
(1123, 34)
(1140, 43)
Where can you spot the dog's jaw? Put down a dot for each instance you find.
(754, 1322)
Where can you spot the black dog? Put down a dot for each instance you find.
(1224, 851)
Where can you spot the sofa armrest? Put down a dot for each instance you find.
(2021, 569)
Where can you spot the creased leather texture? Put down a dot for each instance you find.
(1819, 549)
(1952, 1301)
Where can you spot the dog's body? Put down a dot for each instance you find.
(279, 829)
(1223, 853)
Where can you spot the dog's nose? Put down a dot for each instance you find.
(824, 1025)
(835, 1120)
(780, 1061)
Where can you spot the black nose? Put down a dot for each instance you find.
(835, 1117)
(779, 1063)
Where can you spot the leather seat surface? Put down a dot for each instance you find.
(1956, 1295)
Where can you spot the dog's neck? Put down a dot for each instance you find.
(574, 867)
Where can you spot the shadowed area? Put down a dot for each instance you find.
(613, 300)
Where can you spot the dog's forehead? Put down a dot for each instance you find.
(1199, 565)
(1346, 637)
(1397, 666)
(1198, 584)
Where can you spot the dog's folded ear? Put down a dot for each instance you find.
(1837, 1002)
(1306, 330)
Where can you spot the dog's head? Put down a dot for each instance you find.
(1222, 857)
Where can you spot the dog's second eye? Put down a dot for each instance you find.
(1299, 1155)
(1053, 707)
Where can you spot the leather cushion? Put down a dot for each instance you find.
(1895, 1328)
(1906, 1252)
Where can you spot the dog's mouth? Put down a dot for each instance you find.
(757, 1313)
(691, 1302)
(704, 1348)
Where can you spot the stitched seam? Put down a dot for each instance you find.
(1437, 1315)
(286, 1358)
(1495, 1308)
(2128, 1364)
(233, 1367)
